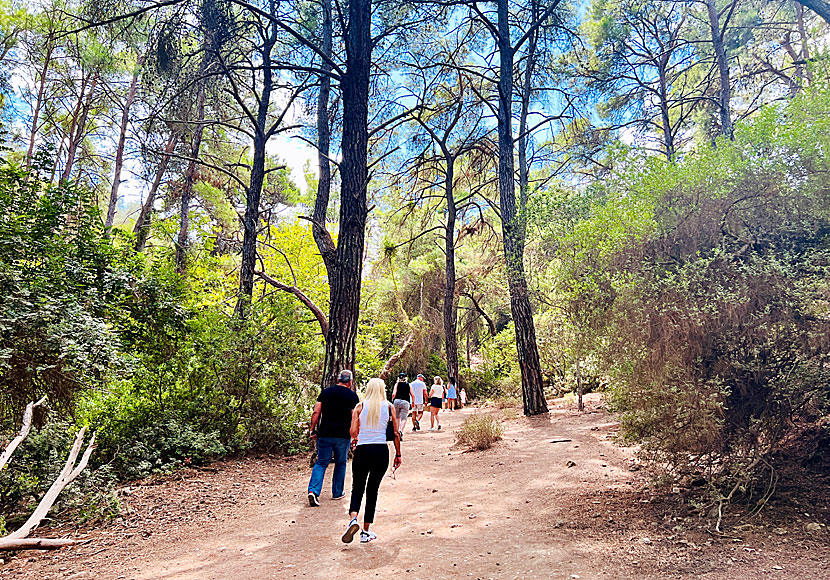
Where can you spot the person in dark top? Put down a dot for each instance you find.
(330, 423)
(401, 400)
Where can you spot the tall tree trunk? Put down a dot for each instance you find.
(321, 204)
(76, 135)
(344, 286)
(142, 223)
(254, 194)
(122, 140)
(820, 7)
(724, 95)
(580, 406)
(41, 92)
(805, 47)
(665, 119)
(190, 178)
(513, 229)
(450, 310)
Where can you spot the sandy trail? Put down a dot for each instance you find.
(446, 514)
(517, 511)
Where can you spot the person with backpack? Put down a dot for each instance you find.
(370, 433)
(402, 399)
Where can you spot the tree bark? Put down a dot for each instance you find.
(122, 140)
(321, 204)
(820, 7)
(142, 223)
(301, 296)
(450, 310)
(76, 134)
(25, 429)
(41, 91)
(35, 543)
(254, 193)
(725, 93)
(67, 475)
(345, 284)
(513, 229)
(580, 406)
(190, 178)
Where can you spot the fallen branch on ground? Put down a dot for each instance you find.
(18, 540)
(21, 436)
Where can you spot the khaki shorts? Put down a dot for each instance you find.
(417, 407)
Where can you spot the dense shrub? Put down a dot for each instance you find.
(718, 336)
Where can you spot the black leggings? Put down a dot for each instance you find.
(370, 462)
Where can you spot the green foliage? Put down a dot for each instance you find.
(698, 286)
(57, 287)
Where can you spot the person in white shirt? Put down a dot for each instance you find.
(436, 398)
(419, 395)
(371, 456)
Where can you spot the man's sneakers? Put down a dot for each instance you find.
(366, 537)
(348, 536)
(417, 426)
(313, 499)
(439, 427)
(341, 496)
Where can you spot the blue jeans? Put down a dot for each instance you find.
(326, 446)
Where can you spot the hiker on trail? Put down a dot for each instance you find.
(401, 400)
(371, 456)
(452, 394)
(419, 395)
(330, 422)
(462, 396)
(436, 395)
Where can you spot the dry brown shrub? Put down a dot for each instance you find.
(479, 432)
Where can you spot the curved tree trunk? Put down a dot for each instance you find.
(820, 7)
(513, 229)
(321, 204)
(344, 285)
(122, 141)
(142, 223)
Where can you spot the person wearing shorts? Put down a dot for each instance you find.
(452, 394)
(419, 395)
(401, 400)
(436, 396)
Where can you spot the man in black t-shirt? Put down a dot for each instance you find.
(330, 423)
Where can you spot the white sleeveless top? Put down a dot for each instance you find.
(371, 434)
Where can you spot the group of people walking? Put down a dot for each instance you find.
(340, 420)
(412, 396)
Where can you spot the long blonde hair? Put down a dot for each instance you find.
(373, 400)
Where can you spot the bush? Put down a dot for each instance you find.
(479, 431)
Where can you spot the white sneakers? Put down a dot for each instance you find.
(348, 536)
(351, 530)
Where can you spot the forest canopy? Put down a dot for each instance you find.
(533, 197)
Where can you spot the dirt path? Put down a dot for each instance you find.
(515, 511)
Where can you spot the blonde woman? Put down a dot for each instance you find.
(371, 456)
(436, 397)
